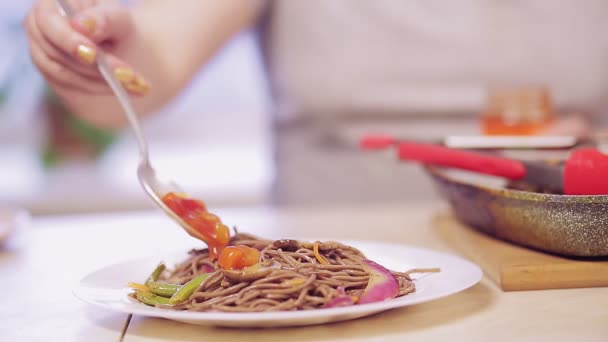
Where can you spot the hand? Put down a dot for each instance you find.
(64, 50)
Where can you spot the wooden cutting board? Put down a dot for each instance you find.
(516, 268)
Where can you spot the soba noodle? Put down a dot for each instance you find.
(291, 277)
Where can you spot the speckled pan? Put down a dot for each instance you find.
(567, 225)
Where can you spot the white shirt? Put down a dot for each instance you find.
(413, 56)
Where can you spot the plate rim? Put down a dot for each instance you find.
(79, 291)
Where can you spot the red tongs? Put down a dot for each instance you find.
(585, 172)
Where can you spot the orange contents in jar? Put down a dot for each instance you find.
(517, 111)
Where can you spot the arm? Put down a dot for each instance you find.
(164, 41)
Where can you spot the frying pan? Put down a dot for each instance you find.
(569, 225)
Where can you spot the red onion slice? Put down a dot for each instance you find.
(382, 284)
(340, 301)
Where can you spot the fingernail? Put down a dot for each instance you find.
(138, 85)
(86, 53)
(131, 82)
(124, 75)
(88, 24)
(142, 86)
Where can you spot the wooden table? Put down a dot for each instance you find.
(41, 266)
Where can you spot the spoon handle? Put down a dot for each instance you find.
(119, 92)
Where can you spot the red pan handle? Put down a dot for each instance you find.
(377, 141)
(448, 157)
(586, 173)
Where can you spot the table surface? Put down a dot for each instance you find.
(43, 262)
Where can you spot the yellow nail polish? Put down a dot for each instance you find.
(124, 75)
(142, 85)
(131, 82)
(139, 87)
(88, 24)
(86, 53)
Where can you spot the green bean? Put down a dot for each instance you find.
(151, 299)
(156, 273)
(188, 289)
(162, 289)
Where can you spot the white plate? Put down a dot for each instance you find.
(107, 288)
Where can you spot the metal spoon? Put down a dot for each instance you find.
(152, 185)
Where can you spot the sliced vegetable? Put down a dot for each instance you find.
(162, 289)
(206, 269)
(150, 298)
(382, 284)
(156, 273)
(248, 274)
(238, 257)
(287, 245)
(186, 290)
(138, 286)
(315, 250)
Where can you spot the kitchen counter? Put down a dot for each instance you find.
(42, 264)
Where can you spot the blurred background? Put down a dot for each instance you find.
(214, 139)
(230, 140)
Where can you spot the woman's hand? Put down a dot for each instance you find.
(166, 43)
(65, 50)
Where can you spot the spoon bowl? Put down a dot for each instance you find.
(150, 182)
(157, 189)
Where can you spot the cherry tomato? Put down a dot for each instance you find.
(194, 204)
(223, 234)
(181, 205)
(207, 216)
(204, 227)
(238, 257)
(251, 256)
(194, 212)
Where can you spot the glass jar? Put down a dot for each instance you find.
(523, 110)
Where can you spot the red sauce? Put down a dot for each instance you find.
(194, 212)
